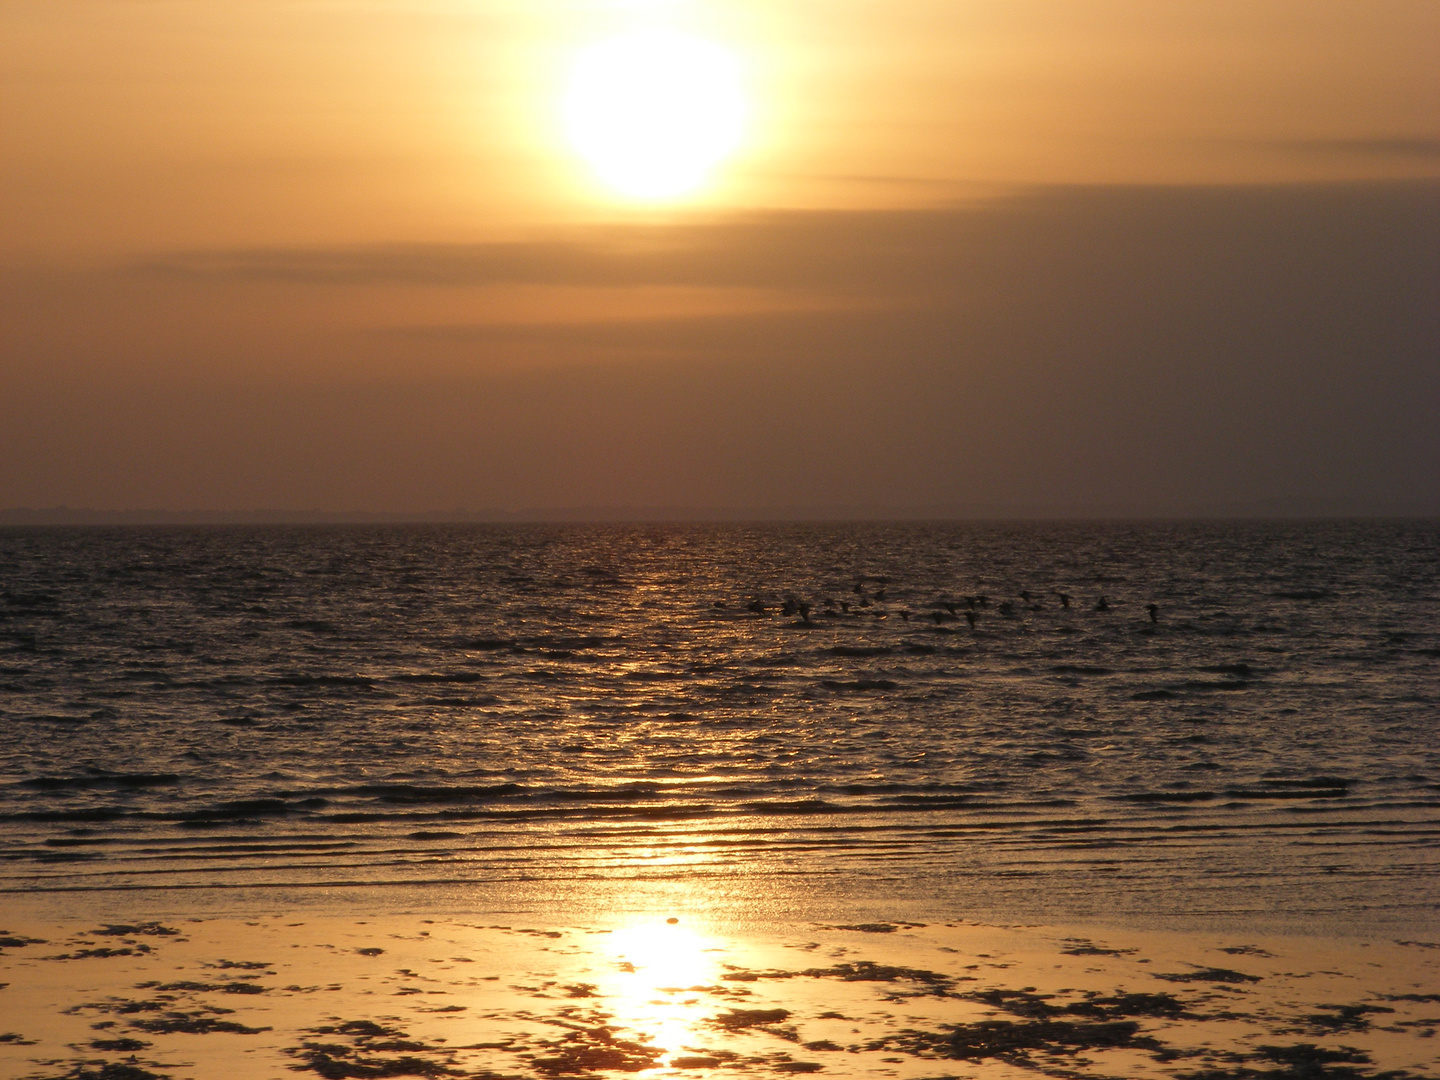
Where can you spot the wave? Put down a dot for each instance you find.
(182, 706)
(101, 780)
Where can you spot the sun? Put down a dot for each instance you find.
(653, 111)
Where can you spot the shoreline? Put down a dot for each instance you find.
(745, 902)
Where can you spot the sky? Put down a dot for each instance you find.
(963, 258)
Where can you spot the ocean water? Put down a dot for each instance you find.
(558, 711)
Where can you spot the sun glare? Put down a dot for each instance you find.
(661, 967)
(653, 111)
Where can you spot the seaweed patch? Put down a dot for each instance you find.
(929, 983)
(102, 953)
(1015, 1041)
(193, 1024)
(1210, 975)
(1086, 947)
(1338, 1018)
(15, 941)
(200, 987)
(111, 1070)
(367, 1054)
(119, 1046)
(740, 1019)
(587, 1050)
(1303, 1061)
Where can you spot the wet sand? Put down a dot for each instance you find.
(412, 995)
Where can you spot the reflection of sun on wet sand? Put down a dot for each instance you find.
(409, 996)
(662, 974)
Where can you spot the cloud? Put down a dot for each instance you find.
(1151, 350)
(1399, 148)
(1061, 230)
(1282, 276)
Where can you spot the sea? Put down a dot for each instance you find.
(1145, 721)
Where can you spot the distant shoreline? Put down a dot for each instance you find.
(66, 516)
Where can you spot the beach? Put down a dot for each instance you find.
(326, 993)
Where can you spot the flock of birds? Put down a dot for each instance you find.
(943, 611)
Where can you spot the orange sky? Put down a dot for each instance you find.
(154, 124)
(213, 198)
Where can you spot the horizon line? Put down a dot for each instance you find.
(1258, 510)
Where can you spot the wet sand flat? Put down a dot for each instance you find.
(337, 997)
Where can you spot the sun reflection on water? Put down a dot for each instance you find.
(660, 968)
